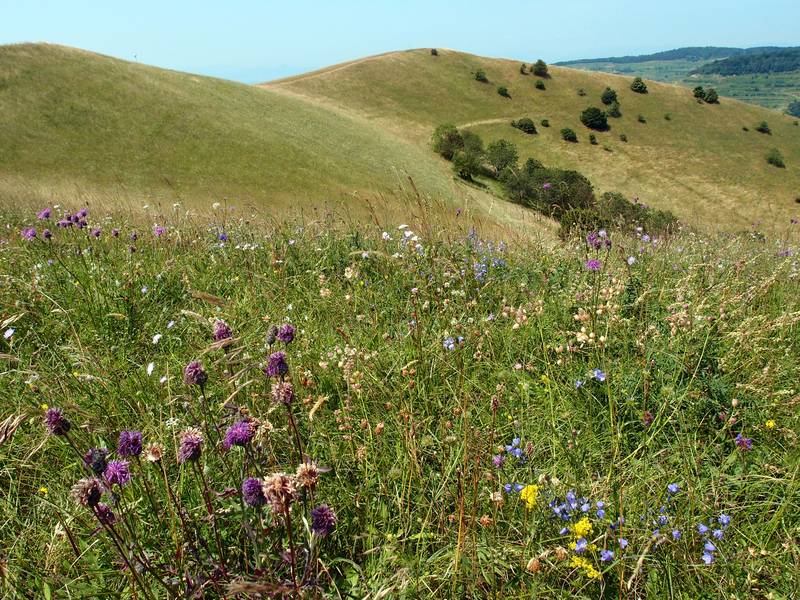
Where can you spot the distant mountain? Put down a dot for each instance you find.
(693, 53)
(779, 60)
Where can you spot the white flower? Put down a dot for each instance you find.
(156, 338)
(163, 379)
(144, 289)
(403, 226)
(171, 324)
(8, 333)
(408, 233)
(150, 368)
(291, 242)
(631, 260)
(215, 206)
(386, 237)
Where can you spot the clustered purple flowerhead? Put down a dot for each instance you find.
(117, 472)
(283, 392)
(223, 237)
(104, 514)
(56, 422)
(323, 520)
(451, 343)
(195, 374)
(594, 264)
(253, 492)
(673, 488)
(276, 365)
(238, 434)
(47, 234)
(44, 214)
(130, 443)
(115, 232)
(498, 460)
(744, 443)
(96, 232)
(222, 331)
(286, 333)
(158, 230)
(87, 492)
(547, 186)
(191, 445)
(514, 450)
(95, 459)
(599, 375)
(28, 234)
(606, 555)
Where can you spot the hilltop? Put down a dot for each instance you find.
(694, 159)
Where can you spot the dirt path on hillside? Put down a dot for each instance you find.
(485, 122)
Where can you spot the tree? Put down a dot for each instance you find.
(594, 118)
(711, 96)
(503, 91)
(447, 141)
(639, 86)
(532, 165)
(609, 96)
(472, 143)
(568, 135)
(523, 68)
(764, 128)
(540, 69)
(501, 154)
(480, 75)
(434, 52)
(545, 123)
(794, 108)
(539, 85)
(775, 158)
(524, 124)
(614, 111)
(699, 93)
(466, 164)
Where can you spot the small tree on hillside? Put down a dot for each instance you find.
(503, 91)
(763, 127)
(711, 96)
(609, 96)
(525, 125)
(466, 164)
(473, 143)
(639, 86)
(614, 111)
(501, 154)
(539, 85)
(594, 118)
(775, 158)
(523, 69)
(480, 75)
(699, 93)
(447, 140)
(568, 135)
(434, 52)
(540, 69)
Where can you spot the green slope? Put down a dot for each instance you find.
(700, 163)
(76, 125)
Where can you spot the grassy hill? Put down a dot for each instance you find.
(700, 163)
(77, 125)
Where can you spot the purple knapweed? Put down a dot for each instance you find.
(117, 472)
(44, 214)
(276, 365)
(253, 493)
(238, 434)
(283, 392)
(323, 520)
(191, 445)
(222, 331)
(28, 234)
(159, 230)
(743, 443)
(594, 264)
(130, 443)
(95, 459)
(286, 333)
(56, 422)
(195, 374)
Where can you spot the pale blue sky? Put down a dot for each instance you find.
(255, 41)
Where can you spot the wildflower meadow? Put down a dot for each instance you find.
(216, 407)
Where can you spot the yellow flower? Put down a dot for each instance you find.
(588, 568)
(529, 494)
(583, 528)
(770, 424)
(545, 379)
(44, 407)
(43, 491)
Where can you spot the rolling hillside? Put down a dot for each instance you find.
(77, 125)
(700, 163)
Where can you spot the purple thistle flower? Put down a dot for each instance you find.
(96, 232)
(44, 214)
(195, 374)
(606, 555)
(56, 422)
(104, 514)
(222, 331)
(115, 232)
(159, 230)
(95, 459)
(323, 520)
(28, 234)
(64, 223)
(238, 434)
(745, 444)
(252, 492)
(594, 264)
(130, 443)
(286, 333)
(191, 445)
(498, 460)
(47, 234)
(83, 213)
(118, 472)
(134, 236)
(276, 365)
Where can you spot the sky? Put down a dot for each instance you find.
(253, 41)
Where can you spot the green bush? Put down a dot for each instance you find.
(614, 111)
(447, 140)
(523, 69)
(525, 125)
(594, 118)
(503, 91)
(532, 165)
(545, 123)
(699, 93)
(467, 164)
(608, 96)
(472, 142)
(501, 154)
(775, 158)
(480, 75)
(623, 137)
(540, 69)
(641, 119)
(614, 210)
(539, 85)
(764, 128)
(581, 92)
(434, 52)
(593, 139)
(711, 96)
(639, 86)
(568, 135)
(667, 117)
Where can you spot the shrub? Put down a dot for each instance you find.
(775, 158)
(434, 52)
(501, 154)
(594, 118)
(525, 125)
(545, 123)
(623, 137)
(607, 148)
(593, 139)
(540, 85)
(503, 91)
(668, 117)
(793, 109)
(472, 142)
(523, 68)
(614, 111)
(639, 86)
(447, 140)
(641, 119)
(466, 164)
(711, 96)
(699, 93)
(532, 165)
(745, 128)
(480, 75)
(581, 92)
(568, 135)
(540, 69)
(764, 128)
(608, 96)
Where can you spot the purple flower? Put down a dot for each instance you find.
(223, 237)
(323, 520)
(594, 264)
(286, 333)
(115, 232)
(718, 534)
(647, 418)
(159, 230)
(498, 460)
(134, 236)
(606, 555)
(283, 392)
(578, 384)
(449, 344)
(724, 520)
(56, 422)
(96, 232)
(104, 514)
(580, 545)
(676, 534)
(272, 335)
(238, 434)
(673, 488)
(87, 492)
(222, 331)
(708, 558)
(95, 459)
(745, 444)
(118, 472)
(43, 214)
(599, 375)
(702, 529)
(83, 213)
(276, 365)
(252, 492)
(130, 443)
(623, 543)
(64, 223)
(191, 445)
(547, 186)
(709, 547)
(47, 234)
(195, 374)
(28, 234)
